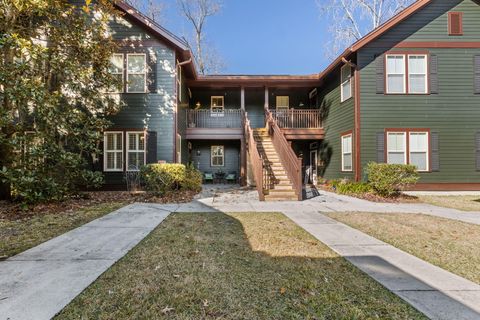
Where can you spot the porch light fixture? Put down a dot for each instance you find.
(198, 105)
(199, 153)
(301, 105)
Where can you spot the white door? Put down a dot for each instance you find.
(313, 166)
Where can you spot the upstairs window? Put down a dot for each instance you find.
(217, 103)
(346, 79)
(282, 102)
(396, 72)
(135, 150)
(136, 73)
(117, 70)
(113, 151)
(455, 23)
(417, 74)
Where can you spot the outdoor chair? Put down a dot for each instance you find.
(208, 177)
(231, 177)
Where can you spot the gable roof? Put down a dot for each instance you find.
(182, 46)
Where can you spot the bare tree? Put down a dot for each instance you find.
(352, 19)
(197, 12)
(154, 9)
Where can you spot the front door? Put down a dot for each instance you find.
(313, 166)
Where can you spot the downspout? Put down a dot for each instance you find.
(176, 111)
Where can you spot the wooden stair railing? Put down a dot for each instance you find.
(255, 159)
(290, 161)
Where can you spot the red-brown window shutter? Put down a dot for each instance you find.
(455, 23)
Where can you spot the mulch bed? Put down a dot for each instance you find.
(402, 198)
(15, 211)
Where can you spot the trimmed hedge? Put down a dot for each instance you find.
(389, 179)
(347, 187)
(166, 178)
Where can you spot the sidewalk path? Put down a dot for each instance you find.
(40, 282)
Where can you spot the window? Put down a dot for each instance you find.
(283, 102)
(396, 148)
(455, 23)
(217, 156)
(396, 74)
(347, 155)
(414, 152)
(417, 74)
(113, 151)
(346, 88)
(116, 69)
(217, 103)
(418, 153)
(135, 150)
(136, 73)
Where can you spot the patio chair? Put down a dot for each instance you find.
(208, 177)
(231, 177)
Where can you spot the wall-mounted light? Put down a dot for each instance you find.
(199, 153)
(301, 105)
(198, 105)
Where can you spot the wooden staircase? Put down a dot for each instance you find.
(277, 186)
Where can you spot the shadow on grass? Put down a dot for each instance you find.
(235, 266)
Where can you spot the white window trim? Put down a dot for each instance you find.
(350, 135)
(143, 73)
(122, 73)
(405, 148)
(426, 73)
(278, 107)
(105, 169)
(127, 148)
(219, 107)
(349, 79)
(427, 150)
(404, 73)
(211, 156)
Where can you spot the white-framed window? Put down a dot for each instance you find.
(217, 103)
(417, 74)
(346, 79)
(113, 151)
(418, 150)
(282, 102)
(136, 72)
(347, 154)
(397, 147)
(217, 155)
(135, 150)
(117, 70)
(396, 74)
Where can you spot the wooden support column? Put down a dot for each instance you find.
(242, 98)
(266, 105)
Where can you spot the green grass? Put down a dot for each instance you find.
(464, 203)
(19, 235)
(234, 266)
(449, 244)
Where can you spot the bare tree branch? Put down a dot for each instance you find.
(154, 9)
(197, 12)
(352, 19)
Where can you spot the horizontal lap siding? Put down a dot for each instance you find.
(203, 162)
(254, 106)
(340, 119)
(454, 113)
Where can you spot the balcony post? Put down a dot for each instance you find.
(242, 98)
(266, 99)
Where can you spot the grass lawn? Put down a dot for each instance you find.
(234, 266)
(465, 203)
(449, 244)
(19, 235)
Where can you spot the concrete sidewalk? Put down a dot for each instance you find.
(435, 292)
(40, 282)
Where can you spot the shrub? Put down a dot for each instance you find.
(165, 178)
(389, 179)
(347, 187)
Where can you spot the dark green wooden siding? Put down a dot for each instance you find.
(453, 113)
(203, 162)
(340, 119)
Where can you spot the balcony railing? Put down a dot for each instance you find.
(298, 118)
(228, 118)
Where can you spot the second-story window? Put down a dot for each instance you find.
(346, 88)
(136, 73)
(417, 74)
(117, 70)
(396, 71)
(407, 73)
(217, 103)
(283, 102)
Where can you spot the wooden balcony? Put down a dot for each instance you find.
(219, 125)
(300, 124)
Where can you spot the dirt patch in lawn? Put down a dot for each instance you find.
(449, 244)
(236, 266)
(370, 196)
(463, 203)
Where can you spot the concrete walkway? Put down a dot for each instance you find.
(40, 282)
(247, 200)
